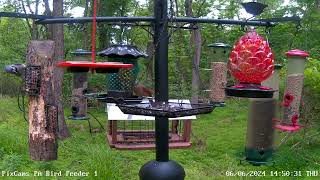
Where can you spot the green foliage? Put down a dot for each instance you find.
(312, 77)
(218, 141)
(11, 162)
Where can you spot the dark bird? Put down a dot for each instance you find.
(16, 69)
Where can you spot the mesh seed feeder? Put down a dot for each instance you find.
(218, 53)
(293, 91)
(251, 62)
(79, 86)
(121, 84)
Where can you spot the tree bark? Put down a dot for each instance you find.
(58, 37)
(42, 109)
(85, 34)
(195, 42)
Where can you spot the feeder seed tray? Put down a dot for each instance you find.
(169, 109)
(249, 91)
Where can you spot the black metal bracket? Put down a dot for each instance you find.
(32, 79)
(28, 16)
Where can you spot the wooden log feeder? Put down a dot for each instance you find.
(79, 87)
(39, 85)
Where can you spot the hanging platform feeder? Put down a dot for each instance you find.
(166, 109)
(249, 90)
(254, 8)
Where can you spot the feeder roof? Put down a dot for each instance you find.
(254, 8)
(297, 52)
(121, 50)
(219, 45)
(81, 52)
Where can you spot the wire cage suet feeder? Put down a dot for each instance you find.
(251, 62)
(121, 84)
(32, 81)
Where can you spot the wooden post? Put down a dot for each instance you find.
(43, 112)
(187, 130)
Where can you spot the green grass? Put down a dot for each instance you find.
(218, 141)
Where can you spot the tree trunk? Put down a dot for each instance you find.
(85, 34)
(58, 37)
(42, 109)
(195, 42)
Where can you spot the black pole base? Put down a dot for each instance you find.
(156, 170)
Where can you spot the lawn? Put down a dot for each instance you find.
(218, 141)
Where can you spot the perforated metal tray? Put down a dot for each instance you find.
(166, 109)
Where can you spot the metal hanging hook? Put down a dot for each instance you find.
(243, 28)
(219, 27)
(267, 30)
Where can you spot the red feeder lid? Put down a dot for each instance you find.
(297, 52)
(94, 65)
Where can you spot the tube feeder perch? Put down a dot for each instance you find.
(121, 83)
(79, 86)
(219, 52)
(254, 8)
(251, 62)
(274, 80)
(293, 91)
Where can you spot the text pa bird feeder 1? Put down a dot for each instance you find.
(79, 86)
(219, 52)
(251, 62)
(121, 84)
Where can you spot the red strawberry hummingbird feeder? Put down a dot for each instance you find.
(251, 62)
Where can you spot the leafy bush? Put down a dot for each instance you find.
(311, 93)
